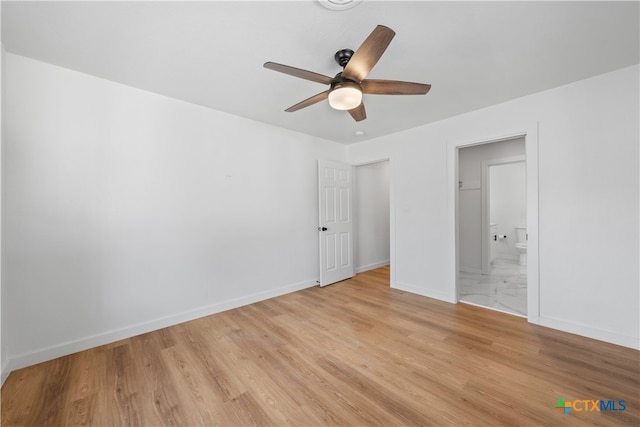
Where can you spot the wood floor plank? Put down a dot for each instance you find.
(354, 353)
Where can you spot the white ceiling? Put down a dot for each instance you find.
(474, 54)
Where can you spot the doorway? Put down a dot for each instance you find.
(372, 216)
(492, 207)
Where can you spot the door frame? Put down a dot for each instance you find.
(529, 132)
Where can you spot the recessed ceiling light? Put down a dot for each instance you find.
(339, 4)
(359, 133)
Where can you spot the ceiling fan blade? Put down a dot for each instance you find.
(298, 72)
(358, 113)
(368, 54)
(309, 101)
(393, 87)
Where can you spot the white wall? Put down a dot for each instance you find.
(126, 211)
(3, 325)
(588, 201)
(470, 196)
(508, 205)
(372, 216)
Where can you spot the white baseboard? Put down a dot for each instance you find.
(425, 292)
(49, 353)
(372, 266)
(590, 332)
(561, 325)
(5, 370)
(42, 355)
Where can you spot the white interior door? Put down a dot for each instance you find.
(335, 181)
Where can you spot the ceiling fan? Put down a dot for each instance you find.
(348, 86)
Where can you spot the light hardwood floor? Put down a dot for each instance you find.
(354, 353)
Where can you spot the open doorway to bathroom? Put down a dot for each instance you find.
(492, 226)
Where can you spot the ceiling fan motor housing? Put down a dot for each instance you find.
(343, 56)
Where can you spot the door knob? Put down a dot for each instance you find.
(322, 228)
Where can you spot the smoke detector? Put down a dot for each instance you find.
(339, 4)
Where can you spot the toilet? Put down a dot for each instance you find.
(521, 244)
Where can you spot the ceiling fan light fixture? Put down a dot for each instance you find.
(345, 96)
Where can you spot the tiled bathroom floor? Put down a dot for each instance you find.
(504, 289)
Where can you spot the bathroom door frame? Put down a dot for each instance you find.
(485, 204)
(528, 131)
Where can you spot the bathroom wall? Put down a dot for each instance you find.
(470, 201)
(508, 205)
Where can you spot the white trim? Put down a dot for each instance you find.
(372, 266)
(425, 292)
(533, 254)
(5, 371)
(52, 352)
(452, 201)
(392, 226)
(590, 332)
(530, 133)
